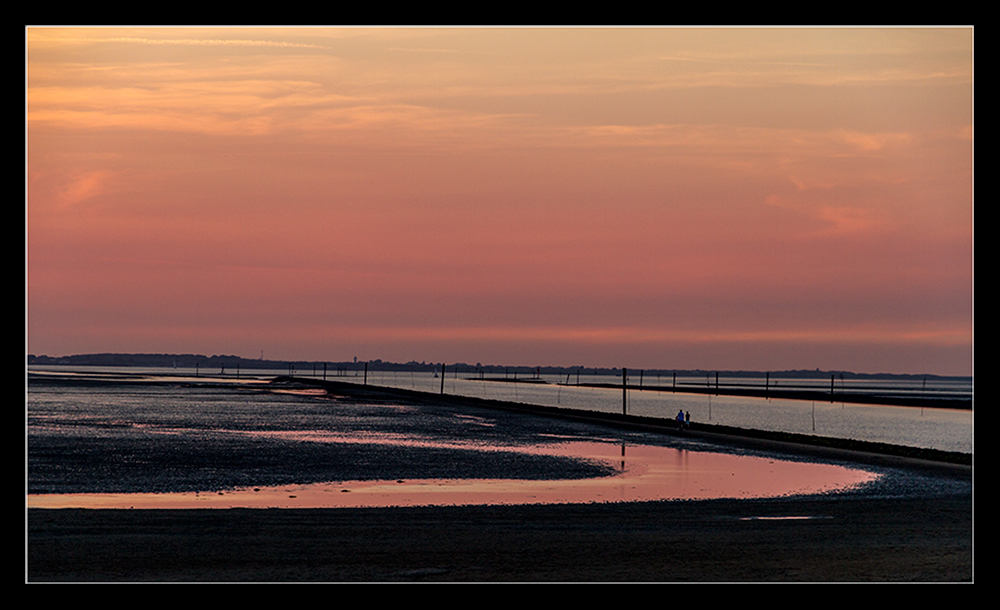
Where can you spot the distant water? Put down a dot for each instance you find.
(943, 429)
(132, 438)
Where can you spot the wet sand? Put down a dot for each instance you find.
(918, 529)
(638, 473)
(904, 536)
(805, 539)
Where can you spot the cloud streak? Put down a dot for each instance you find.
(475, 192)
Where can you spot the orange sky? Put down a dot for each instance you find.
(730, 198)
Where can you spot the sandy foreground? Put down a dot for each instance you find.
(853, 538)
(709, 541)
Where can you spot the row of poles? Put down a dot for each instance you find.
(767, 381)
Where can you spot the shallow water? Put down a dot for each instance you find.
(644, 473)
(942, 429)
(109, 440)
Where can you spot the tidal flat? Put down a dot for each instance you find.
(904, 520)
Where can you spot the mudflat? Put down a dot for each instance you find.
(914, 525)
(836, 539)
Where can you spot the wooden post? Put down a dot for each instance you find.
(366, 374)
(831, 387)
(767, 384)
(624, 390)
(675, 382)
(716, 383)
(442, 378)
(324, 371)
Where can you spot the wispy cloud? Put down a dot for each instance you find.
(199, 42)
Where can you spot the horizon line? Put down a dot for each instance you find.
(434, 364)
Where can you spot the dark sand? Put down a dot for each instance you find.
(919, 528)
(859, 539)
(840, 538)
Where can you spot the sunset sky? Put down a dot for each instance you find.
(729, 198)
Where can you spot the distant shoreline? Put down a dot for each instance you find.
(231, 361)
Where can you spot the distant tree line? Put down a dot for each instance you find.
(230, 361)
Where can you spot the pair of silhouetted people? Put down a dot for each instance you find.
(684, 419)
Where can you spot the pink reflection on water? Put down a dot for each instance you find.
(644, 473)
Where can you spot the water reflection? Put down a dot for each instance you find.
(645, 473)
(209, 433)
(943, 429)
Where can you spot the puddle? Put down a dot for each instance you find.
(645, 473)
(785, 518)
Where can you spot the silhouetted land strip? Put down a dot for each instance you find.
(754, 386)
(356, 368)
(669, 426)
